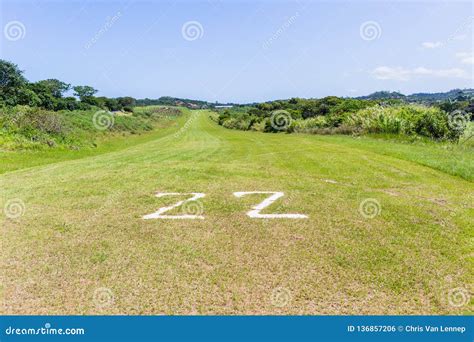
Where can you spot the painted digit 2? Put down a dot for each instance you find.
(255, 212)
(159, 213)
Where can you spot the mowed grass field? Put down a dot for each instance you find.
(82, 247)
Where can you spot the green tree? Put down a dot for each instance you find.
(26, 96)
(85, 93)
(126, 101)
(54, 87)
(12, 82)
(67, 103)
(43, 92)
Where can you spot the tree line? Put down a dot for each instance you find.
(49, 94)
(447, 120)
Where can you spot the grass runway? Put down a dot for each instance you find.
(82, 247)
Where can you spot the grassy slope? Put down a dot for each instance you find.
(15, 160)
(454, 159)
(82, 229)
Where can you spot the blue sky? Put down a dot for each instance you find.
(242, 51)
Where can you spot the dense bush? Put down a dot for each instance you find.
(24, 126)
(311, 125)
(156, 111)
(300, 112)
(420, 120)
(334, 115)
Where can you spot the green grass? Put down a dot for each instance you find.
(24, 128)
(105, 143)
(453, 158)
(82, 228)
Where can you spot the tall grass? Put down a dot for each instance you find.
(420, 120)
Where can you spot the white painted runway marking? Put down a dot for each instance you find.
(255, 212)
(159, 213)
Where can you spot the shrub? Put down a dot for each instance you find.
(430, 122)
(259, 126)
(26, 119)
(34, 128)
(376, 119)
(234, 123)
(332, 115)
(155, 111)
(309, 125)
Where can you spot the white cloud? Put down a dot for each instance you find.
(389, 73)
(431, 45)
(405, 74)
(465, 57)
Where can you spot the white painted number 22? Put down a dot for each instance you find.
(254, 213)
